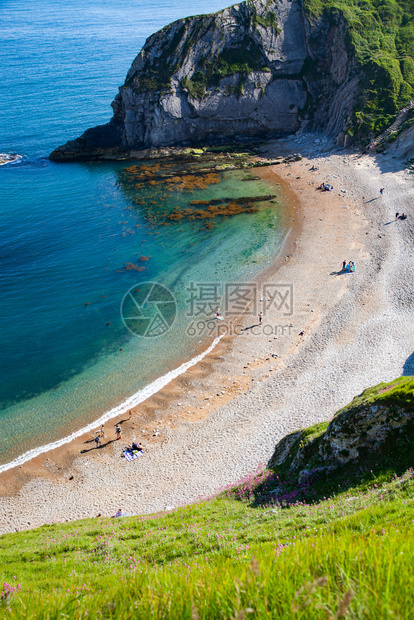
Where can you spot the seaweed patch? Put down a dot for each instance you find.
(157, 189)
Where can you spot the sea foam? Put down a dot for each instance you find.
(132, 401)
(9, 158)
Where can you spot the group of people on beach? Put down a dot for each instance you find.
(99, 435)
(398, 216)
(134, 447)
(348, 267)
(325, 187)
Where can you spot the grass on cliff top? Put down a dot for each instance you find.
(399, 392)
(333, 547)
(382, 34)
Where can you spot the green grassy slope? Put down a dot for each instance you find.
(333, 546)
(382, 35)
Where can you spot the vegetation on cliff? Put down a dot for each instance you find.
(240, 60)
(382, 34)
(377, 428)
(328, 546)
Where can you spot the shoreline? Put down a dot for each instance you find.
(183, 363)
(130, 403)
(244, 396)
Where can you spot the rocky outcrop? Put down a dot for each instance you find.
(377, 423)
(403, 146)
(255, 70)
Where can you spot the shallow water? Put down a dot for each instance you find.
(76, 237)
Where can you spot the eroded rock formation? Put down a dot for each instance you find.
(255, 70)
(378, 423)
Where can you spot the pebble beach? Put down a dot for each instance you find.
(339, 334)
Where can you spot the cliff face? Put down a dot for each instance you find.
(257, 69)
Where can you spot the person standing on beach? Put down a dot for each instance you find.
(382, 190)
(97, 441)
(218, 313)
(103, 430)
(260, 317)
(118, 431)
(343, 265)
(396, 216)
(130, 414)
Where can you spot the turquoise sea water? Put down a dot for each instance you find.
(69, 233)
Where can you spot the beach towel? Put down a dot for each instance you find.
(130, 456)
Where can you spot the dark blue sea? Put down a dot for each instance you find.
(75, 238)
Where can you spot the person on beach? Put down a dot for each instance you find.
(396, 216)
(218, 313)
(137, 446)
(97, 441)
(343, 265)
(103, 430)
(325, 187)
(118, 431)
(260, 317)
(382, 190)
(130, 414)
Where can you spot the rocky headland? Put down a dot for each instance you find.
(256, 70)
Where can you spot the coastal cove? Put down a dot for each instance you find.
(221, 419)
(207, 310)
(148, 234)
(76, 238)
(201, 292)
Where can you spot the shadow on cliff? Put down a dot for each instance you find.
(408, 368)
(388, 163)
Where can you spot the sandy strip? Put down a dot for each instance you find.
(223, 418)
